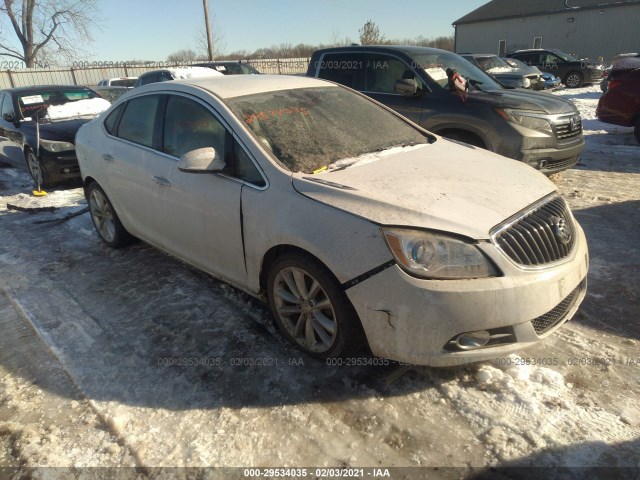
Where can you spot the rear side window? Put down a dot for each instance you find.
(111, 122)
(344, 68)
(138, 120)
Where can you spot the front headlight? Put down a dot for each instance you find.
(531, 120)
(56, 147)
(436, 256)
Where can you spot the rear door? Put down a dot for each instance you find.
(132, 175)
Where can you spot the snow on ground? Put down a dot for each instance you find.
(130, 357)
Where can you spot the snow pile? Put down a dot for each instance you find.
(79, 108)
(371, 157)
(194, 72)
(500, 70)
(517, 408)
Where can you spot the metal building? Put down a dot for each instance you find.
(585, 28)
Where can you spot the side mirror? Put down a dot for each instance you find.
(8, 117)
(201, 160)
(407, 87)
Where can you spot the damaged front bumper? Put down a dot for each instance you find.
(418, 321)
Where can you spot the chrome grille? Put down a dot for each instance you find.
(541, 236)
(546, 322)
(568, 127)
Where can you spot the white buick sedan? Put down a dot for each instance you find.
(353, 223)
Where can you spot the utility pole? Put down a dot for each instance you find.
(206, 21)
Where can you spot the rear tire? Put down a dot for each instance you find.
(105, 219)
(636, 130)
(573, 79)
(311, 308)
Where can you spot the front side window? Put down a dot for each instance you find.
(245, 168)
(138, 120)
(189, 126)
(383, 71)
(308, 129)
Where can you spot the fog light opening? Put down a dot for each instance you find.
(473, 340)
(543, 163)
(66, 170)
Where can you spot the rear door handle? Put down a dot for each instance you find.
(163, 182)
(107, 157)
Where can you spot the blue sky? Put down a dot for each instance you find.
(151, 30)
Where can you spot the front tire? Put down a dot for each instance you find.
(37, 170)
(310, 307)
(636, 130)
(105, 219)
(574, 80)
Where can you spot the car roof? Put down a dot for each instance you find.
(239, 85)
(33, 88)
(408, 49)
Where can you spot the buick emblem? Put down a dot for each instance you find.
(574, 123)
(561, 230)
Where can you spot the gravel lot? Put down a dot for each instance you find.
(92, 341)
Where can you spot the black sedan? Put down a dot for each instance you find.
(38, 126)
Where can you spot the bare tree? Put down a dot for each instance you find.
(202, 44)
(370, 34)
(48, 29)
(184, 56)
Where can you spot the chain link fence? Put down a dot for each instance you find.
(89, 74)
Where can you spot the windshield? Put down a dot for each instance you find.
(34, 100)
(515, 63)
(435, 65)
(565, 56)
(310, 129)
(493, 63)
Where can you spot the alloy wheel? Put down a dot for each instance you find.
(102, 215)
(304, 309)
(35, 168)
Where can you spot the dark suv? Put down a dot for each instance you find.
(573, 72)
(541, 130)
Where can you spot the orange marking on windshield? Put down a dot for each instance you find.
(276, 113)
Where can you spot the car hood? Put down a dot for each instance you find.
(60, 130)
(525, 100)
(443, 186)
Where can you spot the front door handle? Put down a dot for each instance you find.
(163, 182)
(107, 157)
